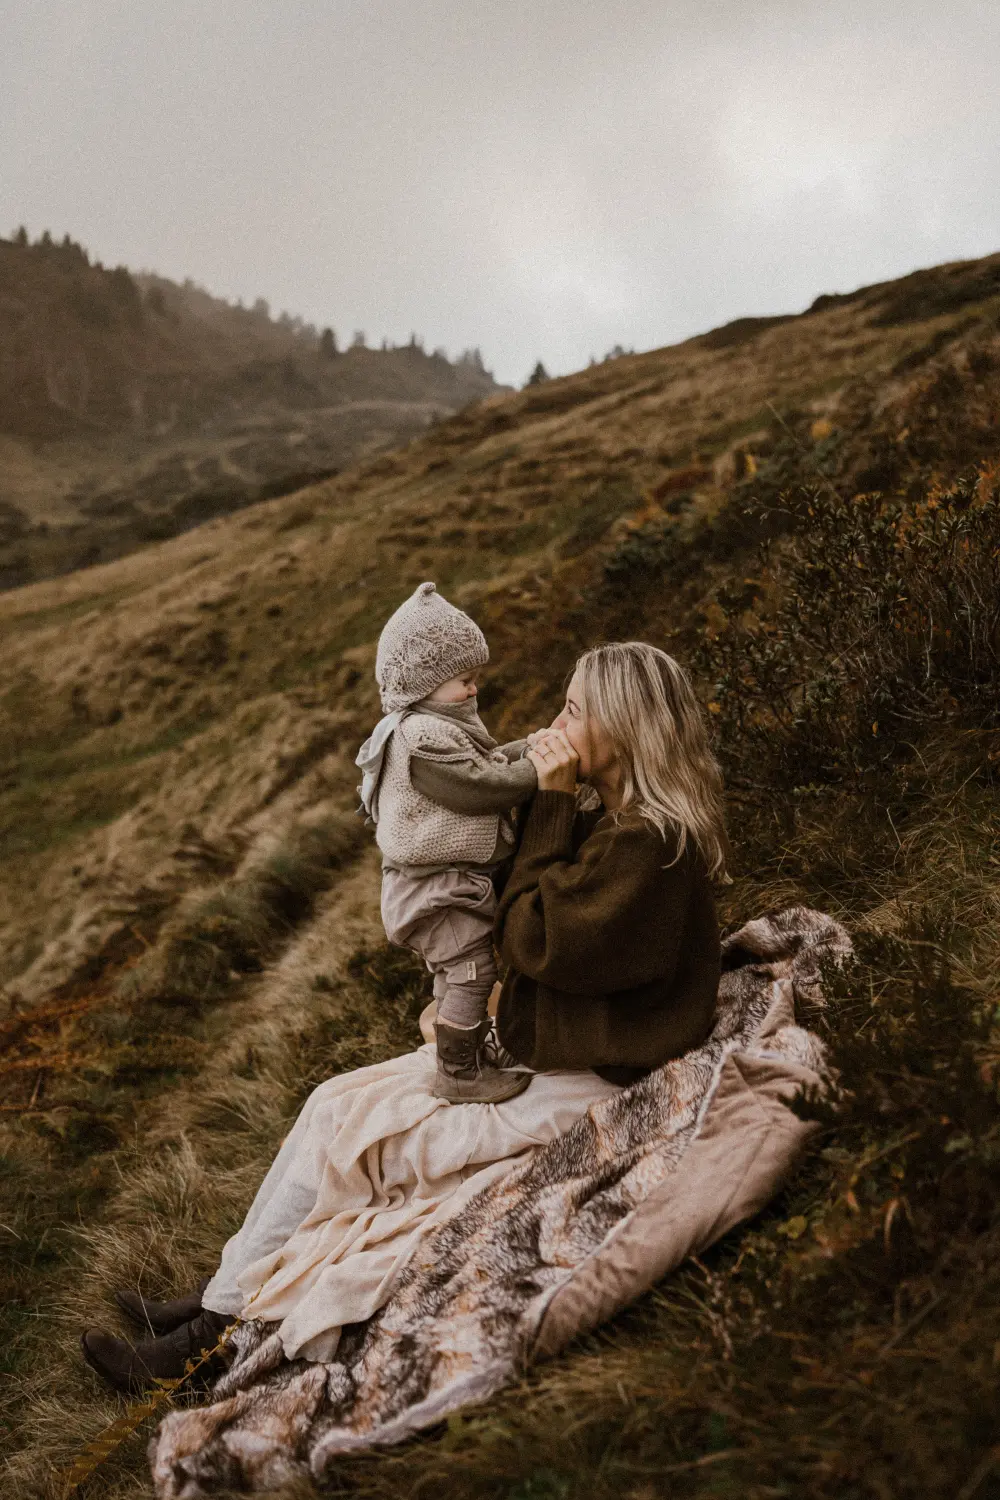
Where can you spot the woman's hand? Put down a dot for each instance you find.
(555, 760)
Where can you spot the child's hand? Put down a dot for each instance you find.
(555, 760)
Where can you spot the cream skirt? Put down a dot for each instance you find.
(372, 1163)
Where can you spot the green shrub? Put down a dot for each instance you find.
(888, 623)
(647, 553)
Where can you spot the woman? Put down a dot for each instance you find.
(608, 930)
(607, 922)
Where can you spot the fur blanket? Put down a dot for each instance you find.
(581, 1227)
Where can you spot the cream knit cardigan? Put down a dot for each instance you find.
(411, 828)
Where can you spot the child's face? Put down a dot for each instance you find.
(455, 690)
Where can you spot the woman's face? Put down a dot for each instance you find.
(586, 736)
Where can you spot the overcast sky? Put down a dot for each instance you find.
(541, 178)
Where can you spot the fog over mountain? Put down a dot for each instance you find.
(543, 180)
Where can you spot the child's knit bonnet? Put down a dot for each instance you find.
(423, 644)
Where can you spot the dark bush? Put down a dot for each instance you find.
(888, 622)
(645, 553)
(939, 289)
(741, 331)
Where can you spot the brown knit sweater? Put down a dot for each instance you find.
(613, 952)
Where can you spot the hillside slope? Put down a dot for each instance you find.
(132, 408)
(189, 910)
(251, 638)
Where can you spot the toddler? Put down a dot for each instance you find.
(439, 791)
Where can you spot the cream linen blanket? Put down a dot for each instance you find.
(410, 1260)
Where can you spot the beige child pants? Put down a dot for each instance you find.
(448, 919)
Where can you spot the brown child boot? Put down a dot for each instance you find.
(465, 1074)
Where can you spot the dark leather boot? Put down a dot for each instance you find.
(162, 1317)
(135, 1368)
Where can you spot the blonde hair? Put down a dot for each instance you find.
(644, 702)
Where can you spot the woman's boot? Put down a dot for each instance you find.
(162, 1317)
(135, 1368)
(465, 1074)
(497, 1054)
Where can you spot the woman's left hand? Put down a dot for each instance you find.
(556, 762)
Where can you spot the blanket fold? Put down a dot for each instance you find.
(574, 1231)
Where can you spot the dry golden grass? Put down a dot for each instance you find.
(182, 1188)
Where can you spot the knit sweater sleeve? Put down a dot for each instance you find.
(608, 917)
(473, 785)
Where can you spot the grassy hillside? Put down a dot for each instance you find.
(189, 911)
(132, 408)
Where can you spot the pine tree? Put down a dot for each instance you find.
(538, 374)
(328, 344)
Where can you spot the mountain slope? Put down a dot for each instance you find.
(132, 408)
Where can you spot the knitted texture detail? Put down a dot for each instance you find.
(414, 830)
(423, 644)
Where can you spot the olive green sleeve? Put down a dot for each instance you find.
(474, 786)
